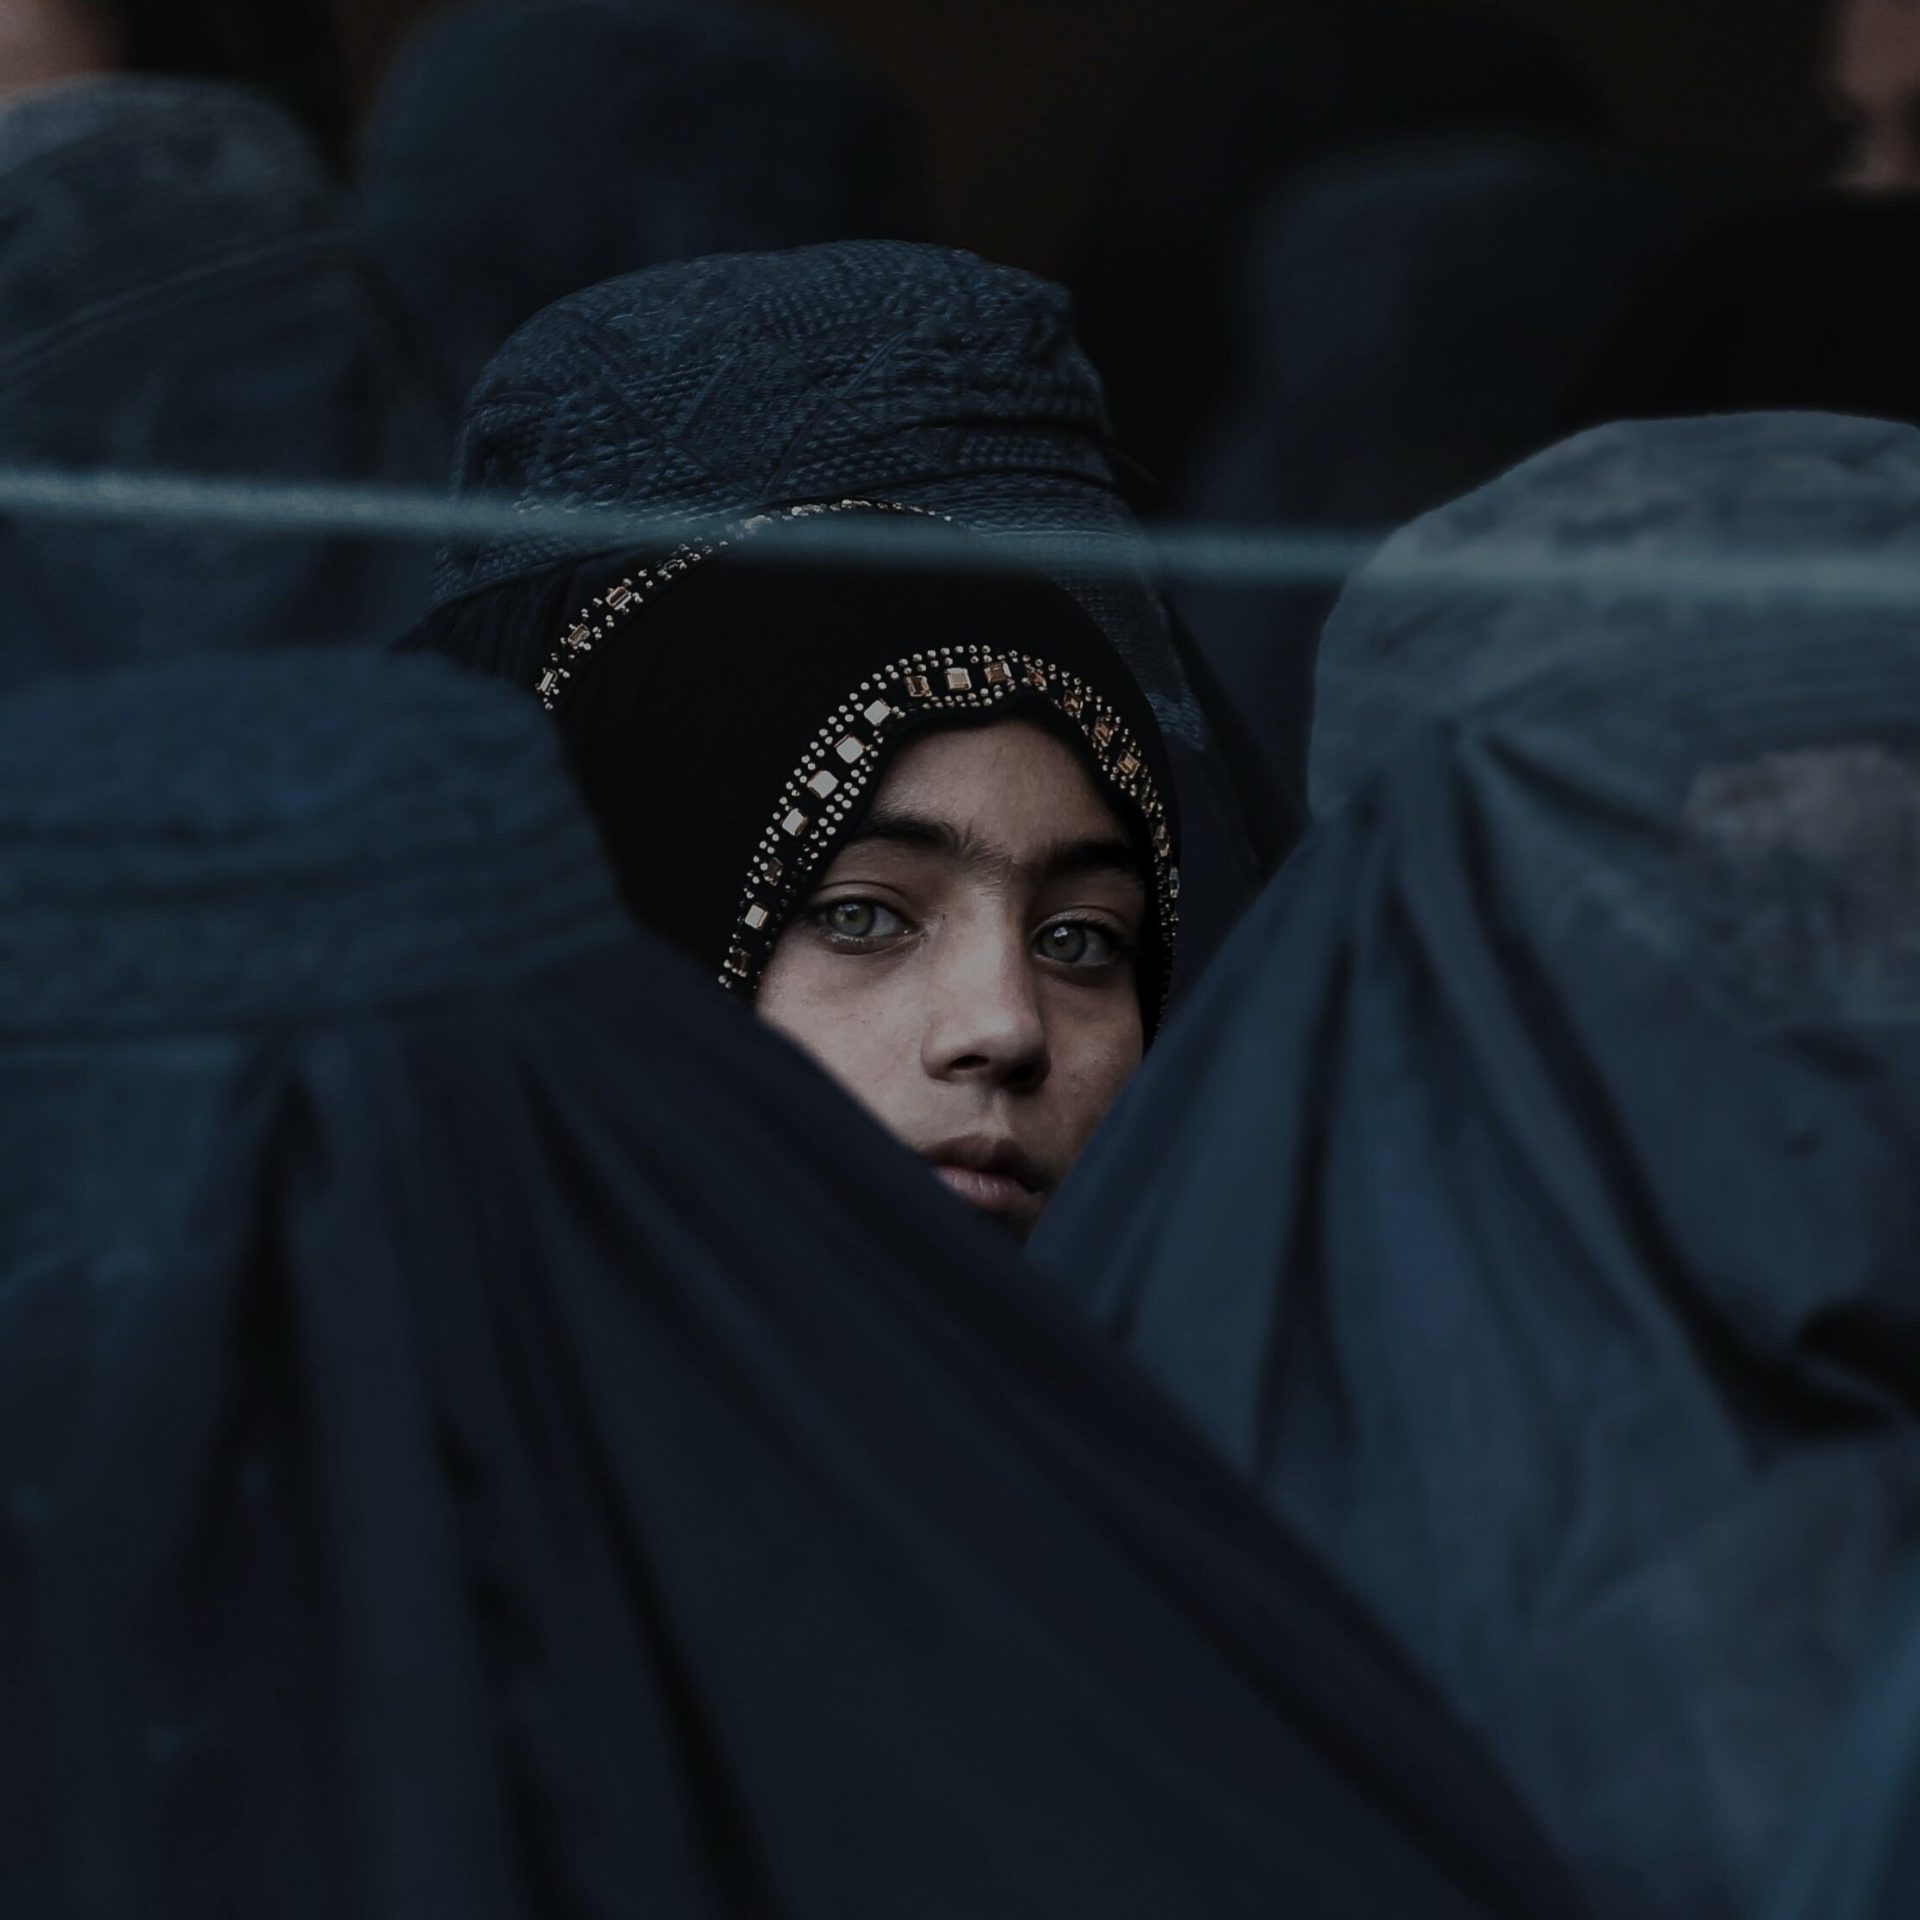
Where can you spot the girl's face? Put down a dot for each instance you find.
(966, 966)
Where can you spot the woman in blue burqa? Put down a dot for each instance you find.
(487, 1430)
(1525, 1203)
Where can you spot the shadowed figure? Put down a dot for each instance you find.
(178, 295)
(522, 150)
(1410, 322)
(1524, 1203)
(1806, 307)
(1256, 108)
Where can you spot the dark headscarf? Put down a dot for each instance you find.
(486, 1432)
(730, 723)
(1526, 1201)
(525, 149)
(176, 294)
(1255, 108)
(909, 375)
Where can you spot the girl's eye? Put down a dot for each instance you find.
(858, 920)
(1078, 943)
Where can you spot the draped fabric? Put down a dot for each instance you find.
(911, 375)
(177, 295)
(1857, 1858)
(1525, 1202)
(486, 1430)
(524, 149)
(710, 685)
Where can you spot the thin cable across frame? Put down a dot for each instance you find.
(274, 509)
(1253, 559)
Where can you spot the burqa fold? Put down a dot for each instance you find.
(522, 150)
(487, 1430)
(178, 295)
(903, 375)
(1525, 1203)
(1857, 1859)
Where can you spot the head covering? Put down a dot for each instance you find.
(524, 149)
(177, 295)
(1525, 1200)
(485, 1431)
(911, 376)
(731, 723)
(1795, 307)
(1255, 108)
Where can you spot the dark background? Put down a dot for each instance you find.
(1020, 101)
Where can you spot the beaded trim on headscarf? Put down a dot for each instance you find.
(833, 777)
(621, 601)
(832, 780)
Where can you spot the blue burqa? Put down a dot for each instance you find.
(1525, 1204)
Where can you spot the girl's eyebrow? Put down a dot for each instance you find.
(1094, 853)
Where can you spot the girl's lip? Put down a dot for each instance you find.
(990, 1192)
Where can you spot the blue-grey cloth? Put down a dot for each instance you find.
(487, 1430)
(873, 370)
(177, 294)
(1525, 1202)
(524, 149)
(1859, 1858)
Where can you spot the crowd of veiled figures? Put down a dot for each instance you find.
(756, 1170)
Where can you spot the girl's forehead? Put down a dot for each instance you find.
(1014, 776)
